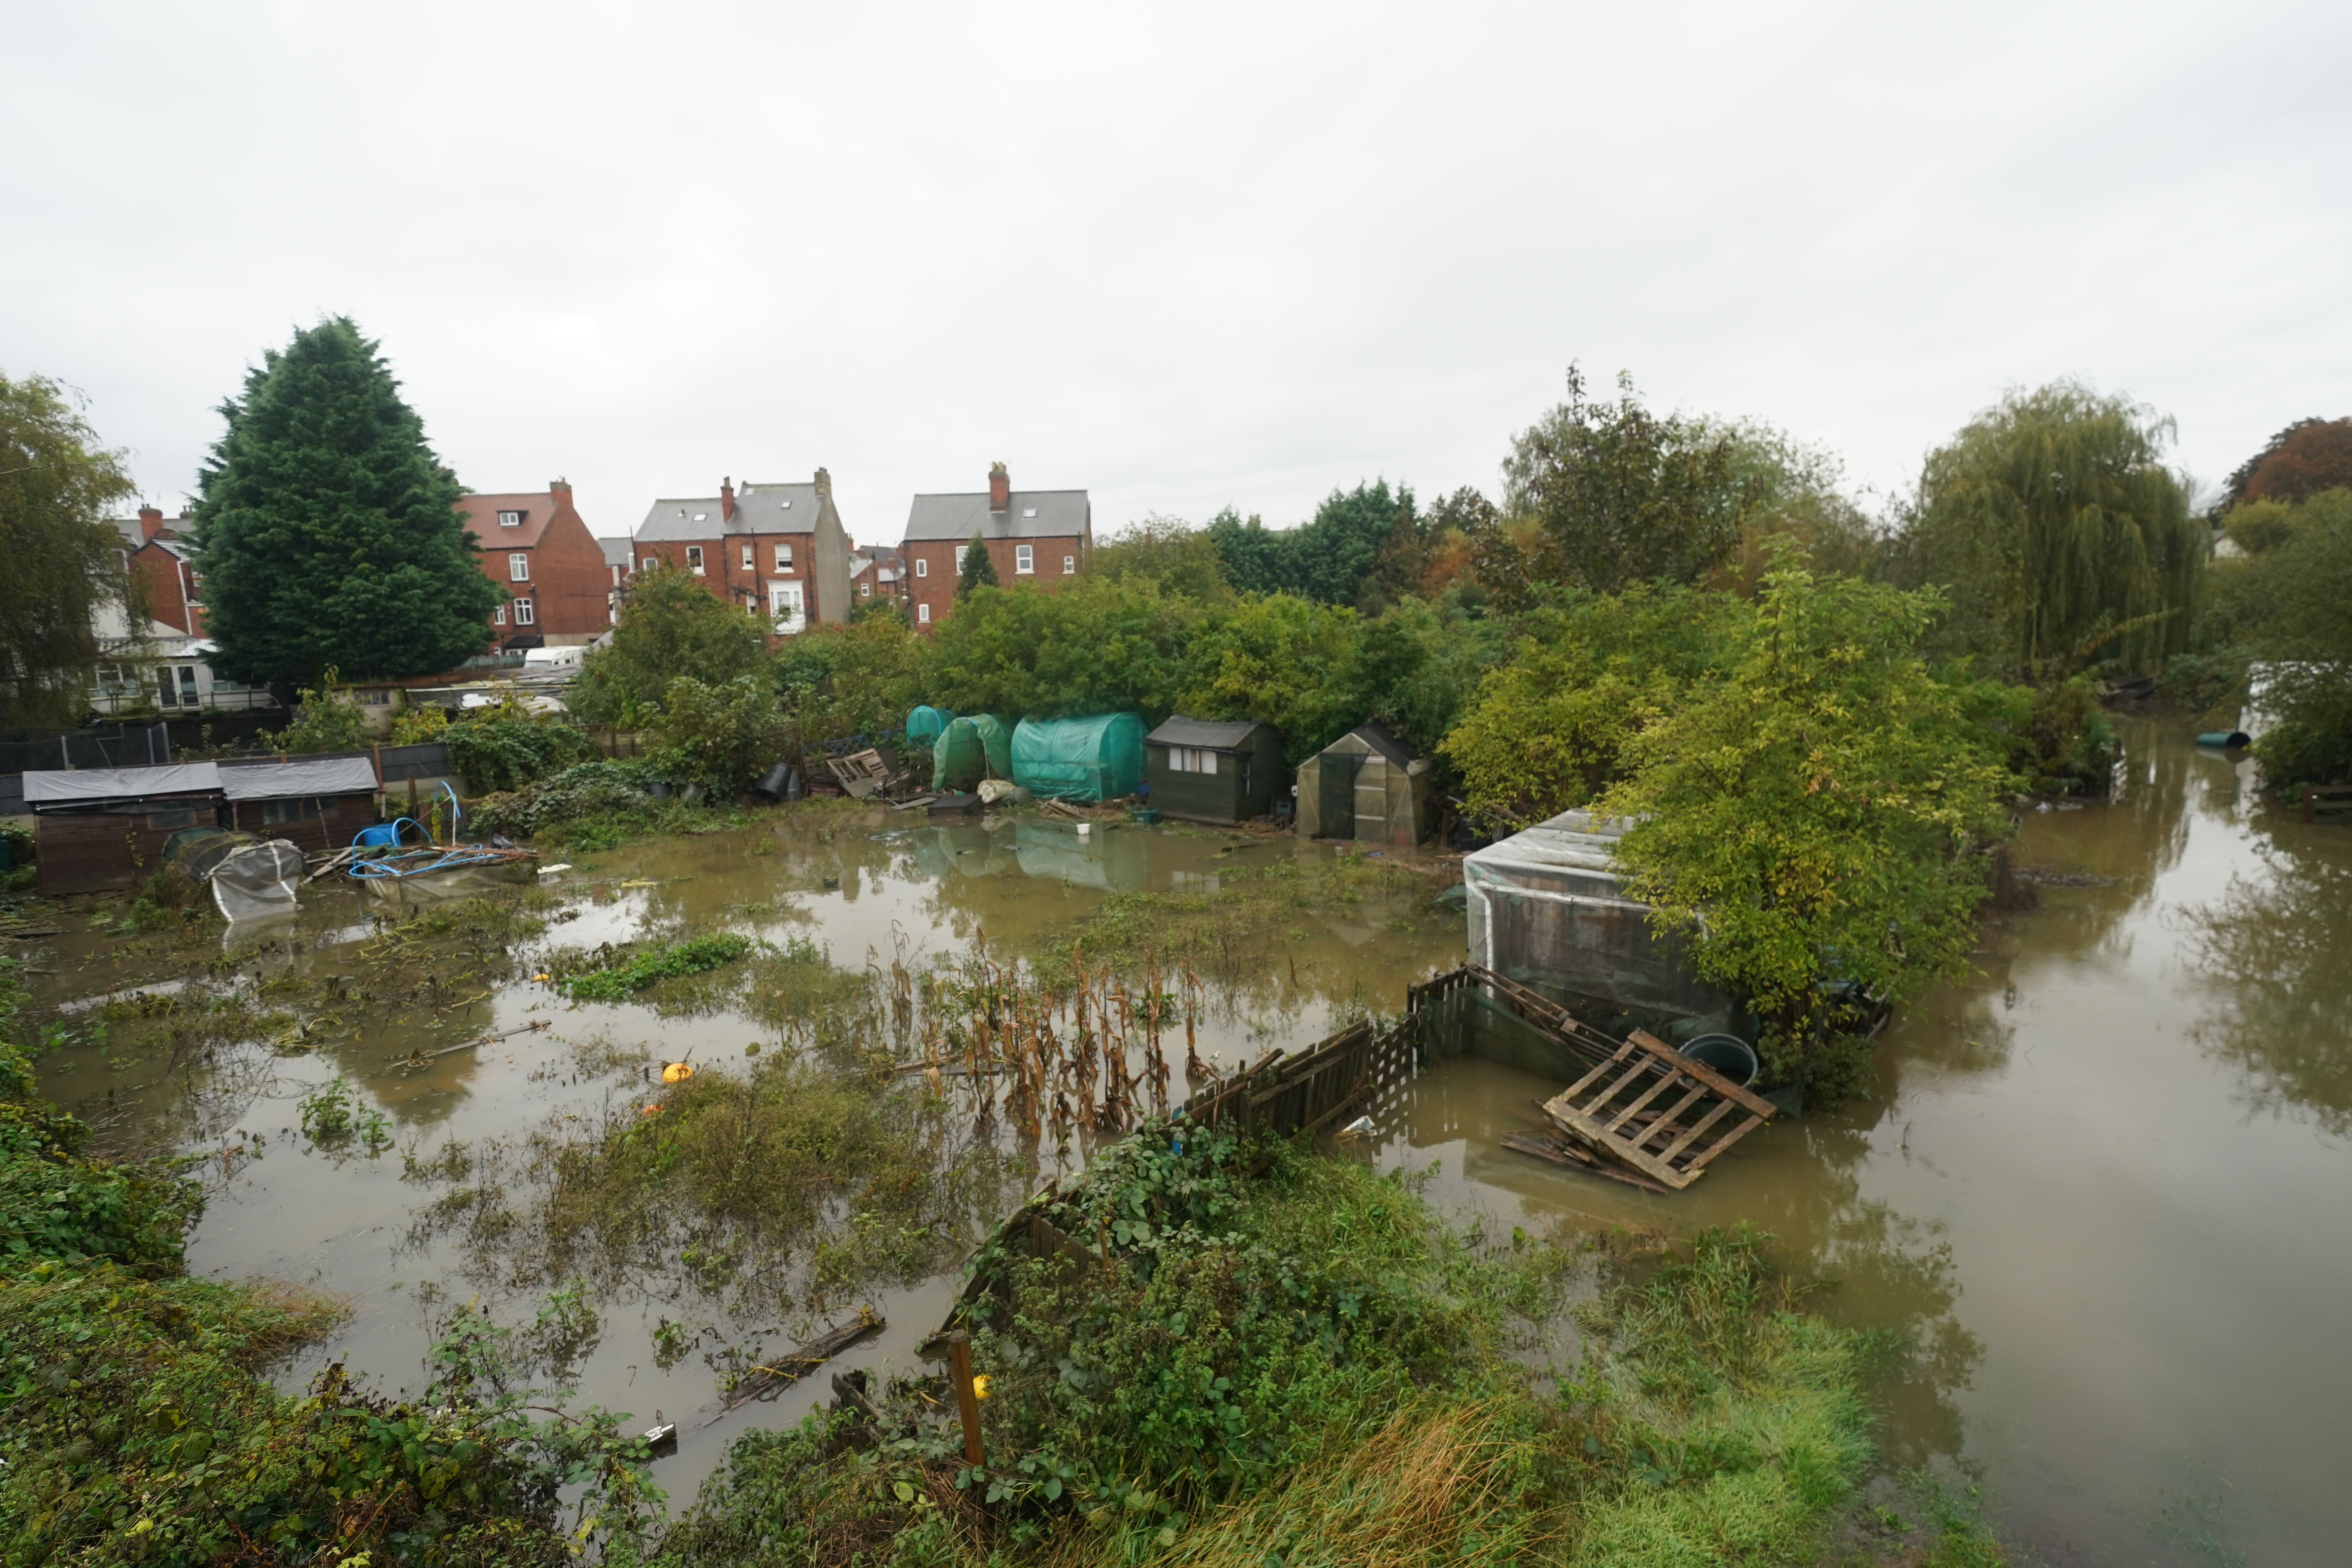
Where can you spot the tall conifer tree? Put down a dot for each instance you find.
(327, 530)
(978, 571)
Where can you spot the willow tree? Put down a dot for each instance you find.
(2060, 537)
(65, 563)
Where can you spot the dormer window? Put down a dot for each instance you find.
(509, 519)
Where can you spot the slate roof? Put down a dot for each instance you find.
(1180, 731)
(759, 509)
(619, 552)
(1028, 514)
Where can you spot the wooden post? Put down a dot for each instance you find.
(967, 1401)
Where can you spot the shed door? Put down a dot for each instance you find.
(1337, 799)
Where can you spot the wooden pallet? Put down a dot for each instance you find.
(1654, 1110)
(861, 774)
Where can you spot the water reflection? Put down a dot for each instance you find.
(2278, 946)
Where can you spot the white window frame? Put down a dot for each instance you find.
(497, 614)
(1191, 760)
(1069, 565)
(922, 565)
(694, 559)
(653, 562)
(922, 615)
(524, 614)
(1024, 561)
(865, 590)
(783, 557)
(750, 561)
(519, 567)
(788, 607)
(509, 519)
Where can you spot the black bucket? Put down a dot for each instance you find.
(1729, 1055)
(781, 783)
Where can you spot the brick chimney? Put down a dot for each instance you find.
(151, 522)
(999, 488)
(823, 483)
(560, 491)
(727, 499)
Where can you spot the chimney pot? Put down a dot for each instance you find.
(151, 522)
(727, 499)
(559, 488)
(999, 488)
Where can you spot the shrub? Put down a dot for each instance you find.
(598, 789)
(720, 737)
(501, 749)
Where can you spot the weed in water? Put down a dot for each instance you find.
(620, 982)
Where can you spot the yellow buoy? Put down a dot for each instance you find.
(677, 1072)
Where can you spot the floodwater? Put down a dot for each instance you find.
(2102, 1184)
(2106, 1182)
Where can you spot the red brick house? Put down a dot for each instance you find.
(876, 572)
(537, 548)
(1033, 536)
(777, 550)
(166, 586)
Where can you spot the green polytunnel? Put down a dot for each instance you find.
(1098, 758)
(970, 749)
(924, 724)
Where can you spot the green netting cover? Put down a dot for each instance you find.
(970, 749)
(1099, 758)
(924, 724)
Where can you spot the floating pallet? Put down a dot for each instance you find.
(1655, 1110)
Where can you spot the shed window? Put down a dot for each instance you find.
(159, 820)
(1191, 760)
(304, 810)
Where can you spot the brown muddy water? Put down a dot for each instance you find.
(2104, 1185)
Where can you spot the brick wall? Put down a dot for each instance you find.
(943, 559)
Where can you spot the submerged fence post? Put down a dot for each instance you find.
(967, 1401)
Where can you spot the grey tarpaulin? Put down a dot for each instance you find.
(122, 783)
(298, 779)
(257, 880)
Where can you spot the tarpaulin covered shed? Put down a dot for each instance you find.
(970, 749)
(1096, 758)
(1367, 785)
(315, 802)
(105, 828)
(1206, 770)
(1546, 909)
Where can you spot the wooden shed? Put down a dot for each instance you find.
(313, 802)
(1207, 772)
(1367, 785)
(105, 828)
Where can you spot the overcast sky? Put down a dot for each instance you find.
(1177, 256)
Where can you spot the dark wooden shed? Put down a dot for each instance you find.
(313, 802)
(1205, 770)
(104, 827)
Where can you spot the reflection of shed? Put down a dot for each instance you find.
(1114, 861)
(313, 802)
(1209, 772)
(1367, 785)
(105, 828)
(1546, 909)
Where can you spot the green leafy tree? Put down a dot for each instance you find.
(858, 679)
(722, 735)
(2060, 537)
(1329, 558)
(1791, 491)
(327, 718)
(2306, 458)
(2289, 610)
(1282, 660)
(326, 529)
(1818, 814)
(1600, 495)
(1170, 554)
(65, 562)
(978, 571)
(1423, 662)
(670, 625)
(1095, 646)
(1550, 728)
(506, 747)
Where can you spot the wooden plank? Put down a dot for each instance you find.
(1568, 1154)
(1726, 1142)
(1577, 1121)
(1578, 1086)
(1723, 1109)
(1655, 1089)
(1599, 1103)
(1698, 1092)
(1701, 1071)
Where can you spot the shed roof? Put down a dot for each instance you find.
(298, 778)
(1377, 739)
(57, 786)
(1214, 734)
(1574, 841)
(1027, 514)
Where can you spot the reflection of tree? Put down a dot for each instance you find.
(2281, 945)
